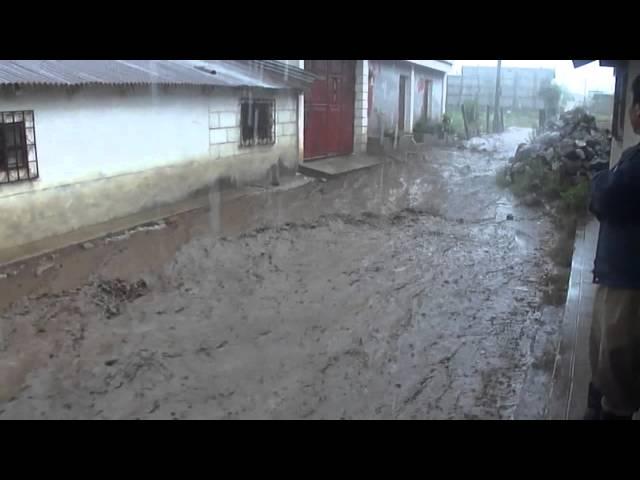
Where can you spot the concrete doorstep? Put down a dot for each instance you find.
(330, 167)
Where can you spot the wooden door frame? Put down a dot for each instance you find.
(353, 65)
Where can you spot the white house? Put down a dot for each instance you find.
(401, 92)
(82, 142)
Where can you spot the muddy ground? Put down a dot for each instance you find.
(412, 290)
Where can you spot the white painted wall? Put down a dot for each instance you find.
(224, 123)
(107, 152)
(299, 111)
(100, 132)
(361, 118)
(386, 93)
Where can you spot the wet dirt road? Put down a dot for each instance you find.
(397, 293)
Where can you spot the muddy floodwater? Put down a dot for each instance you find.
(412, 290)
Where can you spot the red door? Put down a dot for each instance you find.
(329, 109)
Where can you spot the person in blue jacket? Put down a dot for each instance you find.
(614, 391)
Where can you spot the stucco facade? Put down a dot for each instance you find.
(424, 93)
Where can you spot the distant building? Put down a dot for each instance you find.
(600, 104)
(519, 87)
(622, 131)
(402, 92)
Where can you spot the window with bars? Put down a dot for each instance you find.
(257, 122)
(18, 155)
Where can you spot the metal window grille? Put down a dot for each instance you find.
(18, 154)
(257, 122)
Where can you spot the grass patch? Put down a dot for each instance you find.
(512, 118)
(553, 185)
(531, 180)
(575, 198)
(571, 194)
(457, 123)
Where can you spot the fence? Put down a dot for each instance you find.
(519, 87)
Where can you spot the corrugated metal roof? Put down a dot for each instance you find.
(227, 73)
(288, 72)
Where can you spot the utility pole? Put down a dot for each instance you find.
(496, 105)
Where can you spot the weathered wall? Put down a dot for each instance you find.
(630, 138)
(601, 104)
(299, 110)
(361, 120)
(386, 86)
(224, 126)
(105, 153)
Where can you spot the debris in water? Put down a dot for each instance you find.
(111, 294)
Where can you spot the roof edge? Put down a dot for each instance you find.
(443, 66)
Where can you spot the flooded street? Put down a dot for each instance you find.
(411, 290)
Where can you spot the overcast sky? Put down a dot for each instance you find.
(591, 77)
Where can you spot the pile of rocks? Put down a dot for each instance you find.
(572, 145)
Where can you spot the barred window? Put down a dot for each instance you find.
(257, 122)
(18, 155)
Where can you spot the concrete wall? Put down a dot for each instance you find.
(299, 110)
(630, 138)
(386, 86)
(361, 120)
(107, 152)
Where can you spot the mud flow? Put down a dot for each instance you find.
(411, 290)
